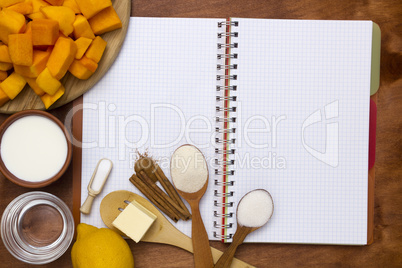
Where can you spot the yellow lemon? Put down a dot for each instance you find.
(100, 248)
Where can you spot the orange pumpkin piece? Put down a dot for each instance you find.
(28, 29)
(13, 85)
(55, 2)
(5, 66)
(89, 64)
(62, 56)
(44, 32)
(7, 3)
(79, 70)
(3, 75)
(48, 100)
(4, 54)
(11, 22)
(3, 97)
(40, 59)
(36, 15)
(37, 4)
(73, 5)
(20, 49)
(32, 83)
(96, 49)
(89, 8)
(47, 82)
(82, 28)
(23, 8)
(105, 21)
(82, 46)
(64, 15)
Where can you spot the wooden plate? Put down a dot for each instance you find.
(27, 99)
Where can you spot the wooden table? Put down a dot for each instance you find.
(386, 251)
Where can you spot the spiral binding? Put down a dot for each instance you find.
(225, 23)
(227, 56)
(233, 45)
(219, 88)
(226, 98)
(224, 67)
(225, 130)
(229, 130)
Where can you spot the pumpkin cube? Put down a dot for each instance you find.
(44, 32)
(37, 4)
(32, 83)
(40, 59)
(62, 56)
(7, 3)
(5, 66)
(55, 2)
(3, 75)
(20, 49)
(73, 5)
(89, 8)
(23, 8)
(89, 64)
(105, 21)
(13, 85)
(36, 15)
(4, 54)
(96, 49)
(11, 22)
(64, 15)
(48, 100)
(79, 70)
(28, 29)
(47, 82)
(82, 28)
(82, 46)
(3, 97)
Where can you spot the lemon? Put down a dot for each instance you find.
(100, 247)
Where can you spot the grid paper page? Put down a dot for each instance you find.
(302, 126)
(158, 95)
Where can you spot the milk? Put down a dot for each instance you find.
(34, 148)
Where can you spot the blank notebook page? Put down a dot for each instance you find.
(302, 126)
(158, 95)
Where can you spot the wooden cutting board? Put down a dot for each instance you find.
(27, 99)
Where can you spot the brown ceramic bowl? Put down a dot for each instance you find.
(36, 184)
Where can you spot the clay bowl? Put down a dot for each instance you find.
(48, 180)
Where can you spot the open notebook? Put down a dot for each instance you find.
(281, 105)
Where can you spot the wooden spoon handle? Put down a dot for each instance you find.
(202, 251)
(226, 259)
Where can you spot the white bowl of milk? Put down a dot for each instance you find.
(35, 148)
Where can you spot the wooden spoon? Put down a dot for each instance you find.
(202, 251)
(161, 231)
(242, 231)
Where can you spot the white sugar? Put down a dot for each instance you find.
(255, 209)
(188, 169)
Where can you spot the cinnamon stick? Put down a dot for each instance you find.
(169, 188)
(155, 173)
(163, 196)
(161, 204)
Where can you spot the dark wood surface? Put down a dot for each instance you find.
(386, 251)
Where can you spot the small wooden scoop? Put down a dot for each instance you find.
(161, 231)
(96, 183)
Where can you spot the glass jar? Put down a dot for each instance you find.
(37, 227)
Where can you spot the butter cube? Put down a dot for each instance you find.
(134, 221)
